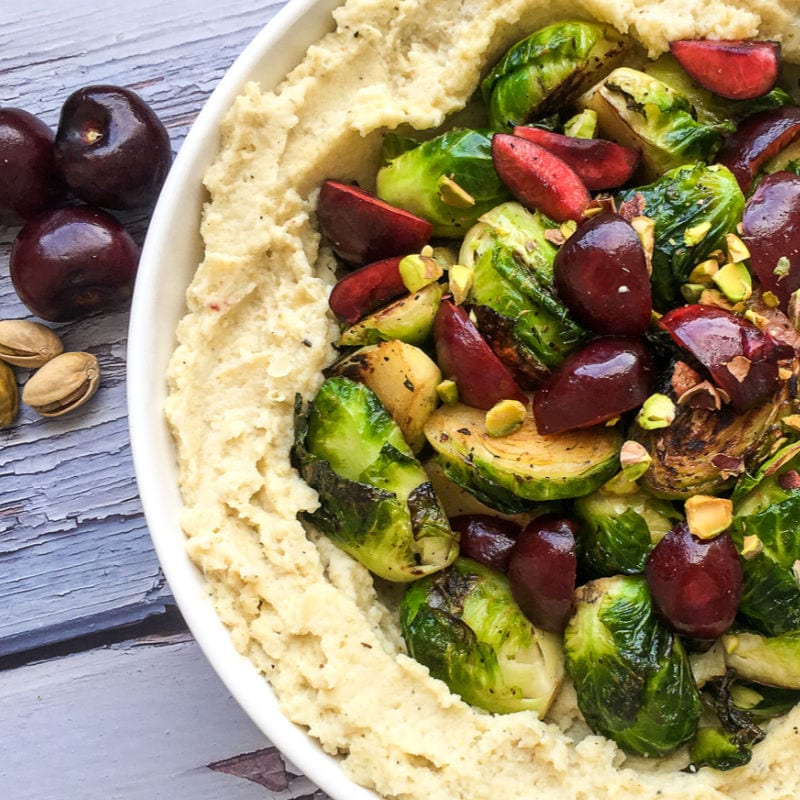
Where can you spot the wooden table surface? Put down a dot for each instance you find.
(103, 692)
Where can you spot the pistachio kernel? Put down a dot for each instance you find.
(62, 384)
(734, 281)
(418, 270)
(453, 195)
(737, 249)
(751, 547)
(460, 279)
(658, 411)
(504, 418)
(25, 343)
(634, 460)
(447, 392)
(708, 516)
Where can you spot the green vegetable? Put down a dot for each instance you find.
(631, 674)
(682, 199)
(518, 310)
(464, 625)
(376, 501)
(543, 72)
(514, 472)
(773, 660)
(618, 531)
(640, 111)
(426, 179)
(715, 747)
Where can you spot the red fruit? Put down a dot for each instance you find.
(362, 228)
(771, 231)
(464, 356)
(538, 179)
(742, 360)
(542, 569)
(601, 275)
(739, 70)
(600, 164)
(360, 292)
(696, 583)
(486, 538)
(602, 380)
(758, 139)
(29, 180)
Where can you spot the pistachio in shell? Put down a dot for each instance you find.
(9, 395)
(62, 384)
(25, 343)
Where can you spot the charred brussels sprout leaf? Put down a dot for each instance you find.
(464, 625)
(545, 71)
(693, 196)
(618, 531)
(631, 674)
(516, 305)
(720, 749)
(376, 502)
(449, 180)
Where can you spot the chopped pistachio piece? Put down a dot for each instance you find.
(782, 267)
(708, 516)
(704, 271)
(658, 411)
(634, 460)
(759, 320)
(737, 249)
(418, 271)
(568, 228)
(646, 228)
(460, 282)
(691, 292)
(770, 299)
(504, 418)
(696, 234)
(448, 392)
(751, 547)
(451, 194)
(734, 281)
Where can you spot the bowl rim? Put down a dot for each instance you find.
(155, 311)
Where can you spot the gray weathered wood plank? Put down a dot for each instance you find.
(75, 555)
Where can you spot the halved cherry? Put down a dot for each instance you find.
(742, 360)
(739, 70)
(362, 291)
(771, 231)
(600, 381)
(538, 179)
(600, 164)
(486, 538)
(601, 275)
(759, 138)
(362, 228)
(464, 356)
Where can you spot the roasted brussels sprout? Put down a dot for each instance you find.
(639, 111)
(687, 199)
(631, 674)
(718, 748)
(619, 530)
(449, 180)
(772, 660)
(512, 294)
(464, 625)
(512, 473)
(376, 501)
(545, 71)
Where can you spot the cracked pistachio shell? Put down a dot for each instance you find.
(62, 384)
(9, 395)
(25, 343)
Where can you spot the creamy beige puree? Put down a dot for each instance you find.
(257, 331)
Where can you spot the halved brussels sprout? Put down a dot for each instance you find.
(376, 501)
(689, 198)
(464, 625)
(545, 71)
(512, 473)
(631, 674)
(772, 660)
(637, 110)
(449, 180)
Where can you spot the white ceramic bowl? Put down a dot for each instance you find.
(170, 256)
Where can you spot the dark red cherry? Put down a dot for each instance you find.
(362, 228)
(486, 538)
(69, 262)
(542, 570)
(29, 180)
(600, 164)
(540, 180)
(464, 356)
(696, 583)
(111, 147)
(362, 291)
(759, 138)
(742, 360)
(601, 275)
(771, 231)
(600, 381)
(739, 70)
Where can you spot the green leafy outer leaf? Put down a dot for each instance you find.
(411, 178)
(542, 72)
(617, 532)
(681, 199)
(631, 674)
(464, 625)
(773, 660)
(376, 502)
(715, 747)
